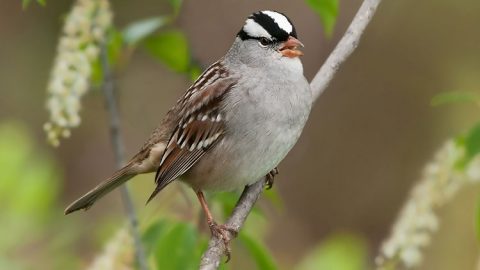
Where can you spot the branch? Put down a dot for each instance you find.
(213, 255)
(344, 48)
(119, 151)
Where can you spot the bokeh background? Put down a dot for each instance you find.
(366, 142)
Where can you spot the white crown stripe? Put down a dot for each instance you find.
(280, 20)
(254, 29)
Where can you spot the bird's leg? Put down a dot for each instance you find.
(205, 208)
(270, 178)
(219, 231)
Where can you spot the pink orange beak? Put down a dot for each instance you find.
(290, 48)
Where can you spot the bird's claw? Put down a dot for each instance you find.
(222, 232)
(270, 178)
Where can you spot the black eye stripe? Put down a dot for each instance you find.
(265, 41)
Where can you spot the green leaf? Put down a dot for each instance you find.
(175, 249)
(170, 48)
(114, 46)
(471, 142)
(97, 74)
(114, 52)
(26, 3)
(327, 10)
(262, 257)
(339, 252)
(138, 31)
(153, 233)
(455, 97)
(176, 5)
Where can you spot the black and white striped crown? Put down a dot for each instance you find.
(267, 24)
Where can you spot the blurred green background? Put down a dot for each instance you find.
(366, 142)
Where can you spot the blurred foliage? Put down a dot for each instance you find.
(170, 48)
(455, 97)
(471, 143)
(470, 140)
(176, 5)
(342, 251)
(24, 192)
(29, 188)
(258, 251)
(26, 3)
(138, 31)
(327, 10)
(173, 243)
(179, 247)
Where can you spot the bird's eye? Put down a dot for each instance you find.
(264, 41)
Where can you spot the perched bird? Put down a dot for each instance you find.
(234, 125)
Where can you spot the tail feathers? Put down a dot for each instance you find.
(154, 193)
(87, 200)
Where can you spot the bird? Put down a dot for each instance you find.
(234, 125)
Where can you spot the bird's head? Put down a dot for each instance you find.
(271, 31)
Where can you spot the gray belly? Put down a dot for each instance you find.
(262, 128)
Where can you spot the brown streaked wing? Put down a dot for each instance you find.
(200, 127)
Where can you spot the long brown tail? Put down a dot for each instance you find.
(87, 200)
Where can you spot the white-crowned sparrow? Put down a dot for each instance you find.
(234, 124)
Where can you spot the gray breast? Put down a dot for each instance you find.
(264, 118)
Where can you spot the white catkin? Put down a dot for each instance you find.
(417, 220)
(84, 30)
(117, 255)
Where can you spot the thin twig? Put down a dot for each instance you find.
(344, 48)
(213, 255)
(119, 151)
